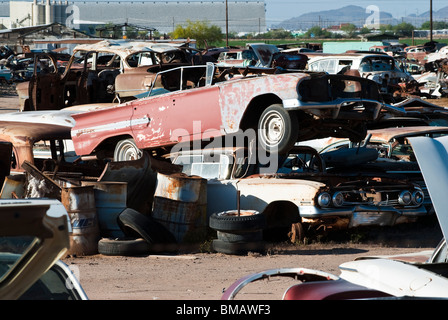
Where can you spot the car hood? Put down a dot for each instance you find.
(406, 279)
(46, 222)
(395, 278)
(432, 157)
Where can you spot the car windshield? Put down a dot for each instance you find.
(206, 166)
(11, 251)
(377, 64)
(143, 58)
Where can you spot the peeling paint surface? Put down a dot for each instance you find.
(235, 95)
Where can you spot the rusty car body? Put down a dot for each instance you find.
(99, 72)
(41, 138)
(196, 103)
(395, 155)
(417, 54)
(419, 275)
(299, 195)
(391, 50)
(380, 68)
(253, 55)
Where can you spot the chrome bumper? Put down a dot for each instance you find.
(363, 215)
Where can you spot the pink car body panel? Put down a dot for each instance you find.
(180, 116)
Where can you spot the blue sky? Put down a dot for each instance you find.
(277, 11)
(280, 10)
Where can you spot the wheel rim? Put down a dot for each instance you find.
(297, 233)
(128, 152)
(272, 129)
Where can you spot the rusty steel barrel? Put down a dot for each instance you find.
(80, 205)
(180, 204)
(110, 201)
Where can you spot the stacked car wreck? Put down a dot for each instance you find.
(197, 138)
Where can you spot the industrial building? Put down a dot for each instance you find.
(243, 16)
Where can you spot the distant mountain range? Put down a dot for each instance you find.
(356, 15)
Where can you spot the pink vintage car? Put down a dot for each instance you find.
(198, 103)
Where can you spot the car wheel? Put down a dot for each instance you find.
(135, 224)
(238, 248)
(123, 247)
(127, 150)
(277, 129)
(230, 221)
(297, 233)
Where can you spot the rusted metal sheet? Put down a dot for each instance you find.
(180, 187)
(13, 187)
(23, 129)
(180, 204)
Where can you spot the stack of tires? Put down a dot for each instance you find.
(238, 232)
(143, 235)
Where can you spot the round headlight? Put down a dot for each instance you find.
(324, 199)
(405, 198)
(338, 199)
(418, 197)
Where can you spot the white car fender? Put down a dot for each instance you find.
(395, 277)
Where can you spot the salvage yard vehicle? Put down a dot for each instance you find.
(391, 50)
(300, 195)
(422, 275)
(417, 53)
(254, 55)
(41, 137)
(99, 72)
(5, 75)
(195, 103)
(380, 68)
(395, 155)
(34, 234)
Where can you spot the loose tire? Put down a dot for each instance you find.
(127, 150)
(135, 224)
(277, 129)
(240, 237)
(229, 221)
(123, 247)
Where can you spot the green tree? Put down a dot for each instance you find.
(349, 29)
(365, 30)
(201, 31)
(317, 32)
(404, 29)
(435, 25)
(386, 27)
(109, 30)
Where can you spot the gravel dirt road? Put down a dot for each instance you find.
(195, 275)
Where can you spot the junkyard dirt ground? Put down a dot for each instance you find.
(193, 274)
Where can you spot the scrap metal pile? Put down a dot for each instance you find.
(164, 136)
